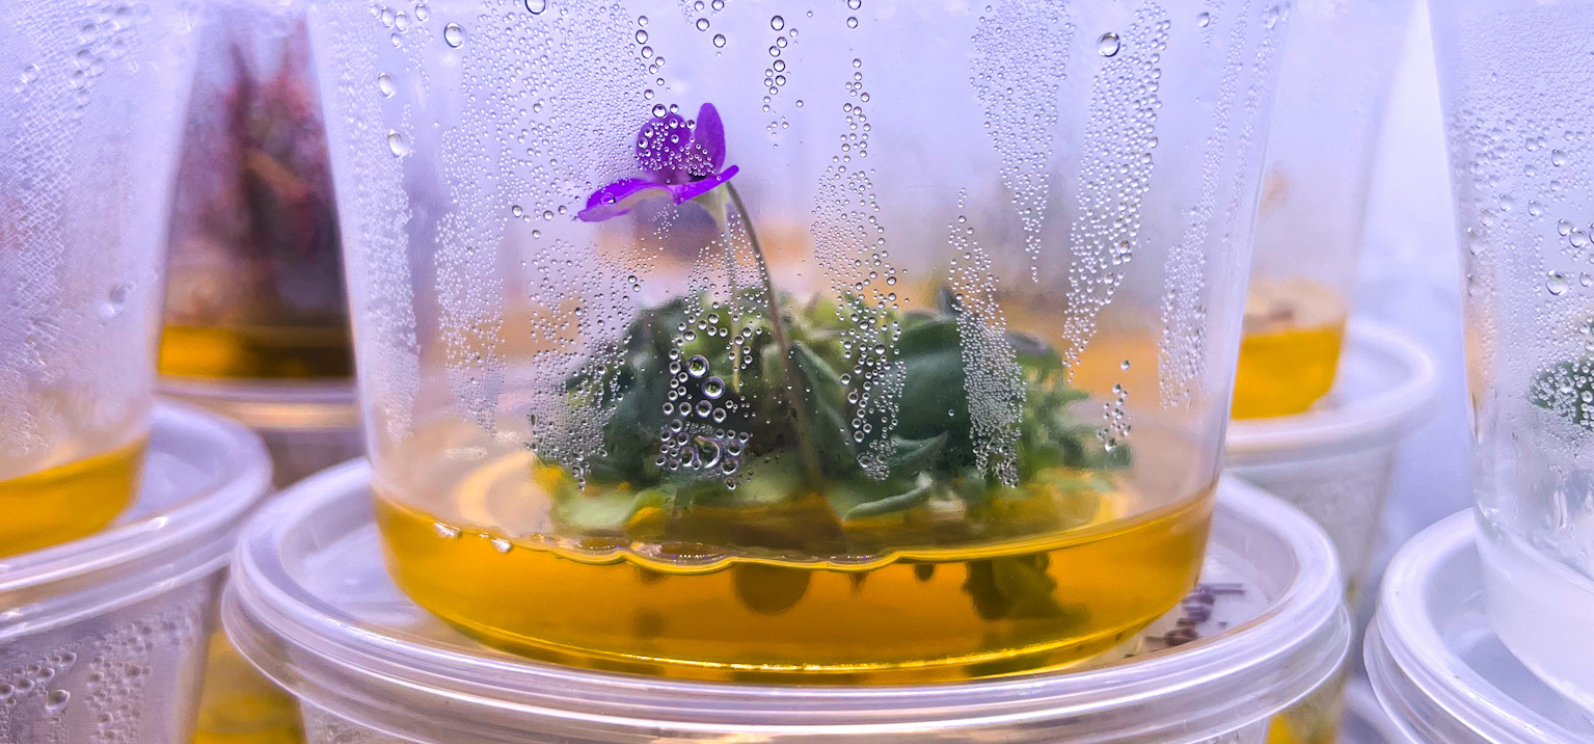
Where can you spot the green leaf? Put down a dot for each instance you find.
(912, 456)
(892, 504)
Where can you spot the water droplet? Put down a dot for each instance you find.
(56, 700)
(1203, 19)
(445, 531)
(641, 36)
(517, 211)
(777, 23)
(854, 4)
(454, 35)
(1564, 227)
(1557, 283)
(697, 366)
(398, 144)
(852, 22)
(1557, 157)
(1108, 44)
(719, 40)
(536, 6)
(702, 24)
(660, 111)
(1124, 365)
(422, 11)
(714, 387)
(384, 83)
(115, 300)
(501, 545)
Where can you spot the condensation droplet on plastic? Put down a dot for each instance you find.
(398, 144)
(115, 300)
(719, 40)
(445, 531)
(1557, 283)
(501, 545)
(384, 83)
(702, 24)
(697, 366)
(777, 23)
(57, 700)
(454, 35)
(536, 6)
(1108, 44)
(1203, 19)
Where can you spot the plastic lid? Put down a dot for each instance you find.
(201, 476)
(1439, 670)
(1385, 386)
(269, 404)
(311, 604)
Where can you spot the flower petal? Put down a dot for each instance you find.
(661, 147)
(688, 191)
(707, 154)
(619, 197)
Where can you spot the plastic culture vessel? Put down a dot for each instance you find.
(1517, 116)
(104, 637)
(313, 606)
(755, 342)
(256, 325)
(95, 94)
(1336, 79)
(1334, 462)
(1438, 668)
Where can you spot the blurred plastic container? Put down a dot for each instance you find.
(1438, 667)
(103, 638)
(1334, 461)
(1327, 115)
(93, 99)
(256, 321)
(1517, 84)
(254, 287)
(848, 327)
(312, 604)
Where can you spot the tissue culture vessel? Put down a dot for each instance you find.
(255, 285)
(1289, 350)
(68, 501)
(657, 444)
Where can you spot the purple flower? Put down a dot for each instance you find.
(679, 161)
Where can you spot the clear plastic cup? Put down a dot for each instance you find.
(94, 95)
(874, 313)
(1336, 80)
(1518, 95)
(1443, 674)
(254, 287)
(1334, 461)
(313, 606)
(104, 638)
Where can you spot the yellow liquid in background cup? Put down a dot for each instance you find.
(69, 501)
(1289, 351)
(238, 705)
(936, 614)
(285, 353)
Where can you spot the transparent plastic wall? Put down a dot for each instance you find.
(92, 101)
(865, 340)
(1335, 81)
(1517, 82)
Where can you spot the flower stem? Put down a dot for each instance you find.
(777, 325)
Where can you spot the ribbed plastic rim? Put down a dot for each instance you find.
(1419, 680)
(193, 537)
(1361, 423)
(307, 645)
